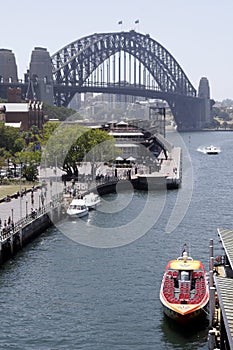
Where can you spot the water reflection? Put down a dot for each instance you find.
(190, 336)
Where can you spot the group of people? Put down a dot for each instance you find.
(6, 226)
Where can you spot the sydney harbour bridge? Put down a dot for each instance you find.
(125, 63)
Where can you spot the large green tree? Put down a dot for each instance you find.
(9, 138)
(69, 145)
(60, 113)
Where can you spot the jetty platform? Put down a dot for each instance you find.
(221, 294)
(24, 217)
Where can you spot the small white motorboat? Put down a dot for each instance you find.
(77, 208)
(210, 150)
(92, 200)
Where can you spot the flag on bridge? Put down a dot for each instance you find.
(137, 21)
(120, 22)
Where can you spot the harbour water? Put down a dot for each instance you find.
(67, 290)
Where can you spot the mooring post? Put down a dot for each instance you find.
(211, 306)
(12, 242)
(211, 285)
(59, 211)
(51, 214)
(211, 253)
(211, 265)
(211, 339)
(21, 236)
(1, 252)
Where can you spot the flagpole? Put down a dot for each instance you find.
(120, 23)
(137, 24)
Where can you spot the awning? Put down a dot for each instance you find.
(131, 159)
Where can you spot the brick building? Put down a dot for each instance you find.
(25, 114)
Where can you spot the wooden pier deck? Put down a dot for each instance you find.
(221, 334)
(224, 288)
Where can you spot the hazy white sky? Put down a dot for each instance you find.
(197, 33)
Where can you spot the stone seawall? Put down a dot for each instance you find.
(25, 232)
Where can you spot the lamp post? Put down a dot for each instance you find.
(26, 209)
(56, 174)
(12, 215)
(46, 180)
(20, 190)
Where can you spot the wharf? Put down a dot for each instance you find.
(169, 174)
(13, 238)
(24, 217)
(221, 322)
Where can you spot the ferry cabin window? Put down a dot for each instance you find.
(184, 276)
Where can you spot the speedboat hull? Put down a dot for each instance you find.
(77, 214)
(184, 291)
(184, 319)
(183, 316)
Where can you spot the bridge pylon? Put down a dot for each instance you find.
(40, 84)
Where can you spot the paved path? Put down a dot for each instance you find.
(20, 206)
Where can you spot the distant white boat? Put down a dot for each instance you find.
(92, 200)
(77, 208)
(210, 149)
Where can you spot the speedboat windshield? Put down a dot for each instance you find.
(184, 276)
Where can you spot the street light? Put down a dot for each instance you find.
(56, 174)
(20, 191)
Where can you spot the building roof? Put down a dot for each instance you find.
(126, 134)
(226, 237)
(16, 107)
(121, 145)
(164, 142)
(14, 125)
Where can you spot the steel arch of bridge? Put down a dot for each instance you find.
(75, 63)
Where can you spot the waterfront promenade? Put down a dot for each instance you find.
(40, 196)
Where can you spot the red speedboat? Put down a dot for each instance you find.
(184, 291)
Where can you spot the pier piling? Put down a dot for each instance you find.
(211, 339)
(21, 236)
(12, 243)
(211, 285)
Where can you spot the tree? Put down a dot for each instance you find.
(28, 157)
(225, 124)
(30, 172)
(19, 144)
(61, 113)
(70, 145)
(8, 137)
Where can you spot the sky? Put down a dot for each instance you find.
(198, 34)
